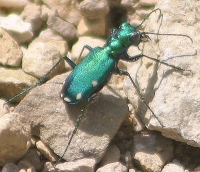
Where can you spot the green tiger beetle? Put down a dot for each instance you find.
(92, 74)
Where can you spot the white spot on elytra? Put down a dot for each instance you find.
(61, 95)
(94, 83)
(78, 96)
(67, 99)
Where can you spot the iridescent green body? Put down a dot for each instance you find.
(89, 76)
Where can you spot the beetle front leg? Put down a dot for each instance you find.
(85, 47)
(39, 82)
(166, 64)
(128, 58)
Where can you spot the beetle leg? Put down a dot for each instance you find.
(39, 82)
(78, 121)
(123, 72)
(70, 62)
(135, 58)
(85, 47)
(126, 57)
(166, 64)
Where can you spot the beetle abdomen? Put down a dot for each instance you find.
(88, 77)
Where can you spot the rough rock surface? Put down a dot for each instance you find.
(112, 167)
(55, 121)
(40, 57)
(13, 81)
(61, 23)
(10, 52)
(20, 30)
(15, 138)
(172, 95)
(174, 166)
(152, 151)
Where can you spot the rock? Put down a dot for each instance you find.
(31, 160)
(67, 10)
(148, 3)
(174, 166)
(46, 151)
(96, 27)
(83, 165)
(3, 108)
(30, 169)
(173, 96)
(41, 57)
(127, 4)
(10, 167)
(10, 52)
(48, 35)
(152, 151)
(128, 159)
(93, 9)
(15, 4)
(187, 155)
(113, 167)
(85, 40)
(112, 155)
(13, 81)
(32, 14)
(15, 138)
(63, 28)
(55, 120)
(197, 169)
(21, 31)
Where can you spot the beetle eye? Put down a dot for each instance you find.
(136, 38)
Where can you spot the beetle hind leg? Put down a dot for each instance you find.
(123, 72)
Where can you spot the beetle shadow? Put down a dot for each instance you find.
(103, 116)
(150, 90)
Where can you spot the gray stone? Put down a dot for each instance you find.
(83, 165)
(174, 166)
(15, 138)
(148, 3)
(46, 151)
(48, 35)
(63, 28)
(10, 52)
(85, 40)
(197, 168)
(67, 10)
(152, 151)
(172, 95)
(113, 167)
(13, 81)
(40, 57)
(10, 167)
(112, 155)
(32, 14)
(31, 160)
(3, 108)
(95, 27)
(93, 9)
(21, 31)
(55, 120)
(15, 4)
(128, 160)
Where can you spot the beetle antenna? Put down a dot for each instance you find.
(157, 9)
(167, 34)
